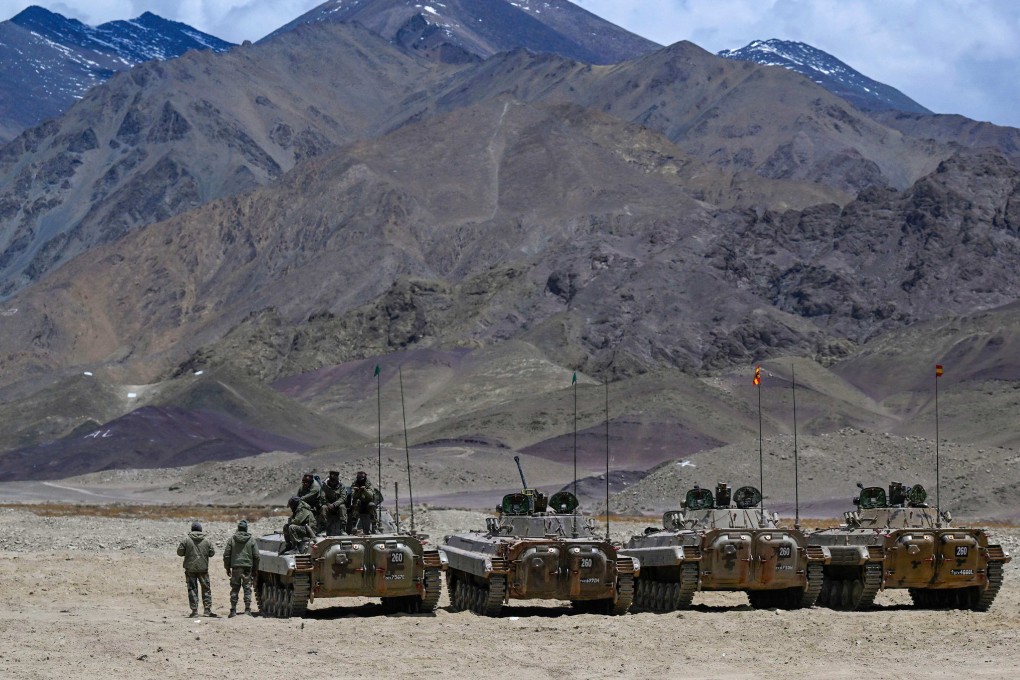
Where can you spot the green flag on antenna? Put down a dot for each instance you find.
(574, 379)
(376, 369)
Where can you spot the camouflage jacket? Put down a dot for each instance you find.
(364, 494)
(196, 551)
(331, 496)
(302, 516)
(311, 494)
(241, 550)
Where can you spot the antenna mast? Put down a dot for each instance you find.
(407, 449)
(607, 460)
(378, 418)
(796, 462)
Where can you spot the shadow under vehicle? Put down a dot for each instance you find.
(402, 568)
(537, 549)
(895, 540)
(722, 542)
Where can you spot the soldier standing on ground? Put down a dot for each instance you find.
(196, 551)
(365, 504)
(333, 513)
(241, 560)
(301, 525)
(310, 492)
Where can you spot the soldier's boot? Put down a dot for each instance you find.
(247, 608)
(233, 613)
(210, 613)
(194, 612)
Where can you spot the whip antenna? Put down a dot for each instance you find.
(607, 460)
(761, 455)
(407, 449)
(378, 418)
(938, 505)
(796, 469)
(574, 382)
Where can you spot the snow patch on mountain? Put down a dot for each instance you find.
(829, 72)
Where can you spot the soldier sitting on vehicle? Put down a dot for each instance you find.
(310, 492)
(300, 526)
(365, 501)
(333, 513)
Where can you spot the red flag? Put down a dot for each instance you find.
(938, 370)
(757, 375)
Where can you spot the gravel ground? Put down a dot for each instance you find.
(94, 597)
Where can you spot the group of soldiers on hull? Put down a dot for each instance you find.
(329, 508)
(318, 508)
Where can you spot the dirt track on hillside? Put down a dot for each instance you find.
(91, 598)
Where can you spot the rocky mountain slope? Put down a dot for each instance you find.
(170, 136)
(291, 213)
(473, 245)
(470, 30)
(47, 61)
(737, 115)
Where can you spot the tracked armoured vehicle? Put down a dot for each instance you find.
(402, 568)
(723, 542)
(537, 549)
(895, 540)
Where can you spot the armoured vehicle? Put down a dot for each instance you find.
(402, 568)
(538, 548)
(895, 540)
(722, 541)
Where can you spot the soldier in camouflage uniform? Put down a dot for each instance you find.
(333, 513)
(241, 560)
(196, 551)
(365, 504)
(310, 492)
(301, 525)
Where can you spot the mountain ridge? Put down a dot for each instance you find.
(47, 61)
(834, 75)
(468, 30)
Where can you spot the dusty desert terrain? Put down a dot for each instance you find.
(90, 597)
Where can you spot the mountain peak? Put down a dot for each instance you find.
(460, 30)
(828, 71)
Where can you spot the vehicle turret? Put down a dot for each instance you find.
(537, 548)
(894, 539)
(724, 541)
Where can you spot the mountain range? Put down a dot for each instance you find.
(47, 61)
(246, 234)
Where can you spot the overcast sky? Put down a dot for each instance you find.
(952, 56)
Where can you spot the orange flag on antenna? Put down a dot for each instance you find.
(757, 375)
(938, 370)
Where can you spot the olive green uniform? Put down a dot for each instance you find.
(333, 513)
(311, 494)
(300, 526)
(241, 560)
(364, 507)
(196, 550)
